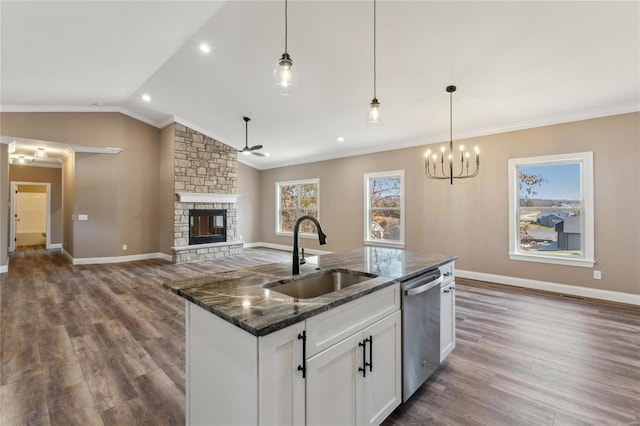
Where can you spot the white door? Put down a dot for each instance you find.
(282, 388)
(30, 213)
(383, 382)
(334, 386)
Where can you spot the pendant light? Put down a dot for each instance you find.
(431, 169)
(285, 79)
(374, 116)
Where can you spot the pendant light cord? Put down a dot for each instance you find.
(286, 25)
(451, 123)
(374, 50)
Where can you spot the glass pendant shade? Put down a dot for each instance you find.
(285, 79)
(375, 112)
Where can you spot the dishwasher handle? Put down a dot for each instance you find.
(421, 286)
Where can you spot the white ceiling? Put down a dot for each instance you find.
(516, 65)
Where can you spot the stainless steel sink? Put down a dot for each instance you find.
(319, 284)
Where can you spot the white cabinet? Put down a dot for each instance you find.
(281, 387)
(358, 380)
(383, 383)
(447, 310)
(334, 388)
(235, 378)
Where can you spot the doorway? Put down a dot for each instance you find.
(30, 227)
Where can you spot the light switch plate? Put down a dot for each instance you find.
(83, 217)
(597, 275)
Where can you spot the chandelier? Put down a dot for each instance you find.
(434, 171)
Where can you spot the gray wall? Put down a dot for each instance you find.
(249, 204)
(166, 196)
(4, 202)
(470, 218)
(119, 192)
(68, 184)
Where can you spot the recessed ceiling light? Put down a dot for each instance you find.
(41, 153)
(146, 98)
(205, 48)
(340, 139)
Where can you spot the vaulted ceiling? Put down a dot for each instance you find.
(516, 64)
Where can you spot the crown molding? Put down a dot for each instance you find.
(81, 108)
(420, 141)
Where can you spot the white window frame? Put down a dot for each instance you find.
(367, 214)
(295, 182)
(587, 259)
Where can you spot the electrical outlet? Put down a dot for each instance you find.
(597, 275)
(124, 247)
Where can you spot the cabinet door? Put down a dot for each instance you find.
(281, 385)
(383, 382)
(447, 319)
(334, 386)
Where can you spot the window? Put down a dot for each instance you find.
(551, 209)
(294, 199)
(384, 208)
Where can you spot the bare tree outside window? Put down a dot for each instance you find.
(296, 199)
(384, 215)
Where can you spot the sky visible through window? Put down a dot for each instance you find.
(562, 181)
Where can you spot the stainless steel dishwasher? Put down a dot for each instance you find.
(420, 329)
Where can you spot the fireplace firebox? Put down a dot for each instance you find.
(207, 226)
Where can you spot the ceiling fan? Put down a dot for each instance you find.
(249, 150)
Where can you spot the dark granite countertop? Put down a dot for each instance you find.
(238, 296)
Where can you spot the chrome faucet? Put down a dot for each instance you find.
(322, 239)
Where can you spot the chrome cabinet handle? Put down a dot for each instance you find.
(423, 288)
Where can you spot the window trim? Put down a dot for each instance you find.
(295, 182)
(384, 243)
(587, 185)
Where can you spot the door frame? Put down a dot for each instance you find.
(12, 212)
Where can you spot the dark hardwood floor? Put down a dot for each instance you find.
(104, 344)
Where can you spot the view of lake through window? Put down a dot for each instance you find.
(550, 208)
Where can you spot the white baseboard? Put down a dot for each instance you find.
(284, 248)
(592, 293)
(164, 256)
(4, 268)
(55, 246)
(116, 259)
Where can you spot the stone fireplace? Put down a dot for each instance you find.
(205, 180)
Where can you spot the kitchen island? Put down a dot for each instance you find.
(257, 356)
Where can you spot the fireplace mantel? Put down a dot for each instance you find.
(198, 197)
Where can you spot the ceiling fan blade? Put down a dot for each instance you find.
(255, 147)
(259, 154)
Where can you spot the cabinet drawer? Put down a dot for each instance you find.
(330, 327)
(448, 272)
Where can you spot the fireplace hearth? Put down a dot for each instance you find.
(207, 226)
